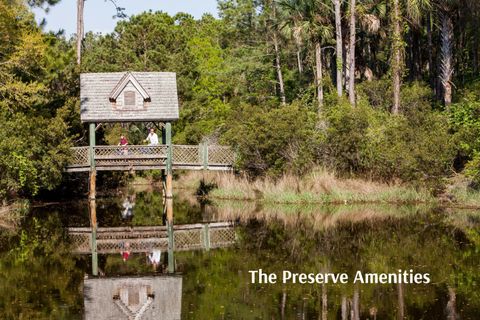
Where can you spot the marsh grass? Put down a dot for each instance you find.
(460, 194)
(318, 187)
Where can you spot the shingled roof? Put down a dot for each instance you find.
(128, 97)
(158, 297)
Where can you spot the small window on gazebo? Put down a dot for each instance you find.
(129, 98)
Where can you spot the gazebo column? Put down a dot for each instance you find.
(169, 163)
(92, 197)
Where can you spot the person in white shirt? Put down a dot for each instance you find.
(155, 256)
(152, 138)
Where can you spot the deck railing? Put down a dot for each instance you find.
(132, 156)
(144, 239)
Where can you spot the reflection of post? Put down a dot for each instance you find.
(93, 223)
(171, 240)
(92, 197)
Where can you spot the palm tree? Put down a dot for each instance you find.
(319, 31)
(413, 12)
(446, 8)
(294, 26)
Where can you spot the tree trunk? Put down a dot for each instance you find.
(279, 68)
(339, 45)
(351, 82)
(283, 304)
(446, 65)
(356, 304)
(452, 304)
(431, 68)
(397, 56)
(344, 308)
(299, 61)
(324, 303)
(297, 35)
(319, 75)
(401, 302)
(80, 29)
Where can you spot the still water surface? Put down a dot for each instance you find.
(41, 277)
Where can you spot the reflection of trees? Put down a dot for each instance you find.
(38, 277)
(426, 244)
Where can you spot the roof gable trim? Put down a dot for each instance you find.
(128, 78)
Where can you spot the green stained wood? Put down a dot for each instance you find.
(171, 245)
(91, 130)
(94, 252)
(168, 142)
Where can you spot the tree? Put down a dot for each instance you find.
(339, 45)
(80, 29)
(294, 26)
(37, 144)
(351, 55)
(446, 8)
(319, 31)
(120, 13)
(273, 24)
(413, 12)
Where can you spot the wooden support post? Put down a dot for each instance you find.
(164, 171)
(91, 198)
(169, 163)
(171, 239)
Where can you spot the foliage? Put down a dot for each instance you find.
(465, 122)
(41, 253)
(229, 89)
(274, 140)
(35, 145)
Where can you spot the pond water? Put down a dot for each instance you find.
(42, 276)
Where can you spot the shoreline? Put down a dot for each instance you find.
(321, 188)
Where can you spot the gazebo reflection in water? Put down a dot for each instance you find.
(156, 296)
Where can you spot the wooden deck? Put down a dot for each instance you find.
(143, 239)
(132, 157)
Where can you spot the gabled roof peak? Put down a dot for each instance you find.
(128, 78)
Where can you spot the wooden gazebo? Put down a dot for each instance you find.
(149, 97)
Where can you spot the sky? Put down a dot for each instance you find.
(98, 13)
